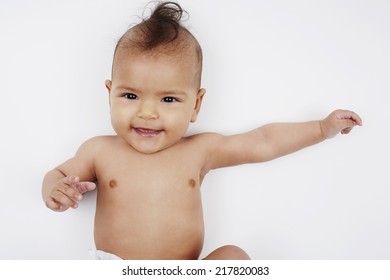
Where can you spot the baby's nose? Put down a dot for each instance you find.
(147, 111)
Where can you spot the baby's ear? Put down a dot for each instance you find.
(198, 104)
(108, 85)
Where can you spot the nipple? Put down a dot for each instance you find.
(112, 184)
(192, 183)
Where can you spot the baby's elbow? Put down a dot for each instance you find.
(257, 146)
(262, 153)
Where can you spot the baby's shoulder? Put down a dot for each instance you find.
(205, 139)
(98, 143)
(205, 136)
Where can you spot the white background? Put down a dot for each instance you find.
(264, 61)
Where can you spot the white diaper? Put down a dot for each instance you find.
(101, 255)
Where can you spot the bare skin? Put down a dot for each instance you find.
(148, 176)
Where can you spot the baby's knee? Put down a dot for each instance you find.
(228, 252)
(235, 253)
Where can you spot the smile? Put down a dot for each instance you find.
(146, 132)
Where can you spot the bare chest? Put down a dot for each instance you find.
(126, 172)
(159, 184)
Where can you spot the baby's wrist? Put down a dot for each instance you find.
(322, 130)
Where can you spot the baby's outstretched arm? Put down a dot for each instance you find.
(285, 138)
(278, 139)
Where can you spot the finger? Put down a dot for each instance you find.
(63, 199)
(84, 187)
(65, 186)
(357, 119)
(72, 192)
(346, 130)
(54, 205)
(350, 115)
(70, 180)
(348, 123)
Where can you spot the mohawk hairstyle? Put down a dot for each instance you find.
(162, 33)
(162, 26)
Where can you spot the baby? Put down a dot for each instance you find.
(148, 174)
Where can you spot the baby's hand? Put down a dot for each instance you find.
(339, 121)
(67, 192)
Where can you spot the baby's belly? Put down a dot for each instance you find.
(140, 224)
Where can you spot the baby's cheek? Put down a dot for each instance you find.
(119, 118)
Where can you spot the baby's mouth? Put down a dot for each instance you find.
(147, 132)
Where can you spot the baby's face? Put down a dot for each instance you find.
(153, 100)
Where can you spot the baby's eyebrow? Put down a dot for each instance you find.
(163, 92)
(173, 92)
(129, 89)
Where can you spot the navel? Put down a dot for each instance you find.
(192, 183)
(112, 184)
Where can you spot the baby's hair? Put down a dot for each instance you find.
(162, 26)
(162, 33)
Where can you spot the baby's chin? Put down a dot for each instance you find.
(149, 150)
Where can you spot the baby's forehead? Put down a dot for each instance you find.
(137, 43)
(125, 54)
(184, 50)
(164, 69)
(183, 56)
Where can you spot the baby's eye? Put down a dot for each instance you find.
(169, 99)
(130, 96)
